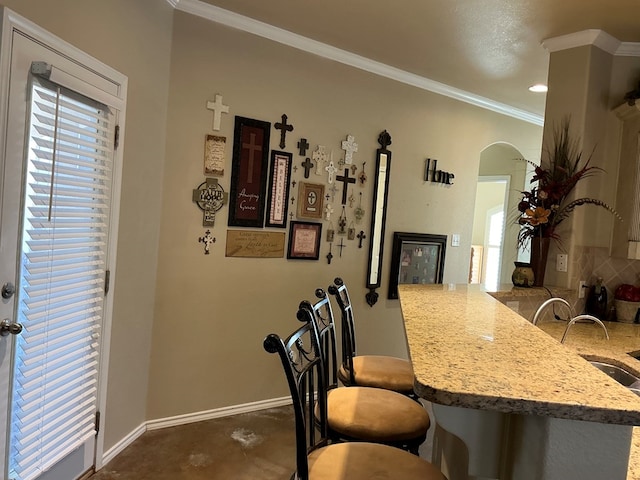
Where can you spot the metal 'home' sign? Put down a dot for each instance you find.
(432, 174)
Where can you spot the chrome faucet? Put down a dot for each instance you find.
(584, 317)
(548, 302)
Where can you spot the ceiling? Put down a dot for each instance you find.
(490, 48)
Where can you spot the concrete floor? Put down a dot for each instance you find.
(250, 446)
(257, 445)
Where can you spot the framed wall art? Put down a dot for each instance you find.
(310, 200)
(304, 240)
(416, 258)
(279, 177)
(249, 172)
(214, 146)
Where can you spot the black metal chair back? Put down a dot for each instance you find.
(339, 291)
(304, 370)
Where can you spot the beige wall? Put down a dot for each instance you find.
(212, 312)
(134, 37)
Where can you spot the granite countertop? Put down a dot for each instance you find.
(470, 350)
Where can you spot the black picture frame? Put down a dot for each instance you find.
(416, 258)
(304, 240)
(247, 191)
(279, 181)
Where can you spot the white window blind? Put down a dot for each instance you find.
(64, 244)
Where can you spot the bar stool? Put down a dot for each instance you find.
(390, 373)
(316, 457)
(362, 413)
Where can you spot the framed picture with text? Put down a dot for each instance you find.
(304, 240)
(279, 177)
(249, 168)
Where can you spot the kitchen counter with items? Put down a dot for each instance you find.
(472, 353)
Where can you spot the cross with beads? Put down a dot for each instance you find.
(218, 109)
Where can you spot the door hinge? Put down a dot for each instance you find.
(107, 281)
(97, 422)
(116, 137)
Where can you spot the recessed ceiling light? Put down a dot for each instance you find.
(538, 88)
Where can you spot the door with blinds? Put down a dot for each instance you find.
(56, 249)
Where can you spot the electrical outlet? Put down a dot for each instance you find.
(582, 288)
(561, 262)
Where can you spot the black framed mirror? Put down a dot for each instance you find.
(378, 217)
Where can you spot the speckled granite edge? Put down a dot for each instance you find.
(469, 350)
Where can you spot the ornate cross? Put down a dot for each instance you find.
(218, 109)
(329, 255)
(303, 145)
(253, 148)
(328, 210)
(207, 239)
(350, 147)
(307, 165)
(361, 237)
(333, 189)
(319, 155)
(331, 170)
(284, 127)
(346, 180)
(342, 223)
(210, 197)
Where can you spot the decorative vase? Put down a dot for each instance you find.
(539, 253)
(523, 275)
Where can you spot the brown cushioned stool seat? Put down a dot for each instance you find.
(390, 373)
(375, 415)
(368, 461)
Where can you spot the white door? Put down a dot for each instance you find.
(56, 220)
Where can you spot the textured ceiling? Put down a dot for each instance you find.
(490, 48)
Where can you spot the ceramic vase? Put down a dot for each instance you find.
(523, 275)
(539, 253)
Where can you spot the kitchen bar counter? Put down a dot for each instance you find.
(488, 371)
(470, 350)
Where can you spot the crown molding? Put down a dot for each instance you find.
(285, 37)
(597, 38)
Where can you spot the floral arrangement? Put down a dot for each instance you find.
(544, 207)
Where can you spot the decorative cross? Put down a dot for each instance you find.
(363, 176)
(284, 127)
(350, 147)
(327, 196)
(319, 155)
(351, 200)
(354, 169)
(384, 139)
(341, 245)
(361, 236)
(307, 165)
(292, 200)
(253, 148)
(328, 210)
(303, 145)
(331, 170)
(207, 239)
(218, 109)
(210, 197)
(293, 184)
(346, 180)
(333, 189)
(291, 215)
(342, 223)
(329, 255)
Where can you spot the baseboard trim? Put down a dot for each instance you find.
(191, 418)
(217, 413)
(122, 444)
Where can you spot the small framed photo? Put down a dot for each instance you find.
(249, 168)
(304, 240)
(310, 200)
(416, 258)
(279, 177)
(214, 147)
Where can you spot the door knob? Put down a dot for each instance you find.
(6, 328)
(8, 289)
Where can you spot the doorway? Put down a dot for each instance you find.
(60, 177)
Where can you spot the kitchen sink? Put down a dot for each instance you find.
(619, 374)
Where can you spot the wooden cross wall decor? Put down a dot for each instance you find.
(218, 109)
(307, 165)
(303, 145)
(284, 127)
(346, 180)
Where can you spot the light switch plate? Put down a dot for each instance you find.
(455, 240)
(561, 262)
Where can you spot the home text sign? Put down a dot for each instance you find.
(255, 244)
(432, 174)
